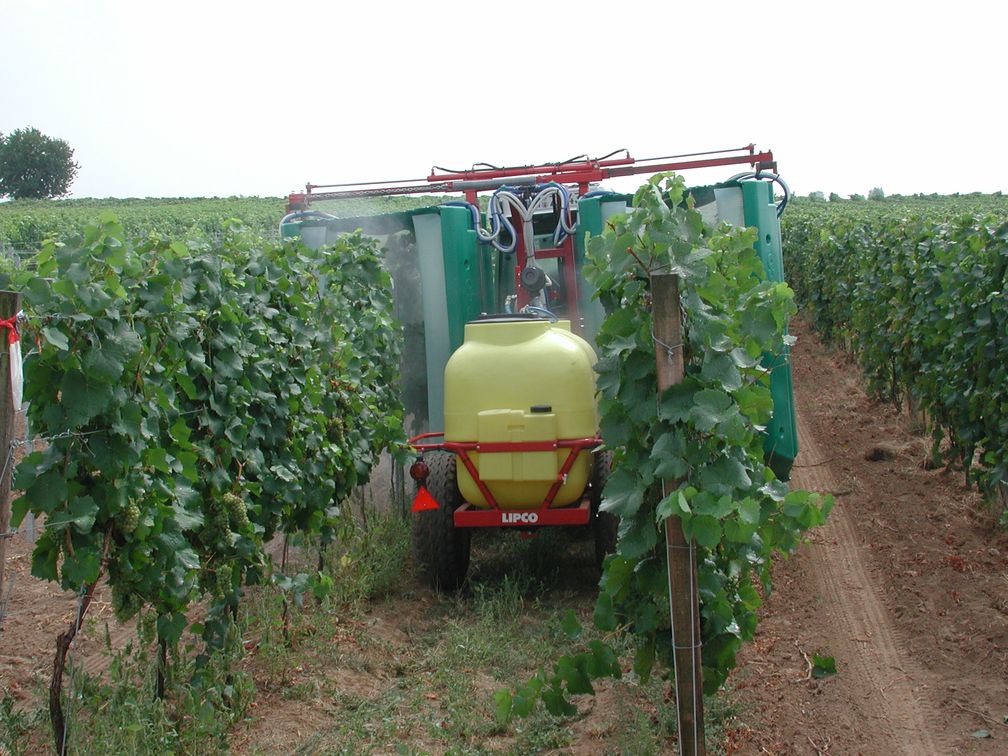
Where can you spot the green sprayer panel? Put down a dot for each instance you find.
(462, 270)
(781, 442)
(444, 278)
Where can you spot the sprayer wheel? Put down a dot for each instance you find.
(440, 549)
(604, 524)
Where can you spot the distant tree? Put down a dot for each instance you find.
(857, 197)
(35, 166)
(834, 197)
(876, 194)
(817, 196)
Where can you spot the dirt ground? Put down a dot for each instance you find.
(37, 612)
(34, 612)
(906, 587)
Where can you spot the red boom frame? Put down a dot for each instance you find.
(581, 171)
(469, 517)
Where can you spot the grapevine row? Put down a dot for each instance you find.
(921, 298)
(25, 224)
(704, 434)
(202, 398)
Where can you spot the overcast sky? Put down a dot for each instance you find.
(215, 98)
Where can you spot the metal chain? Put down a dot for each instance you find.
(55, 437)
(30, 442)
(670, 348)
(75, 434)
(39, 318)
(19, 443)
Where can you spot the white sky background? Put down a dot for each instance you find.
(220, 99)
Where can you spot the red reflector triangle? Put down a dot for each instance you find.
(423, 501)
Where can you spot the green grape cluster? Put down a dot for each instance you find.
(224, 575)
(125, 603)
(237, 510)
(131, 517)
(218, 526)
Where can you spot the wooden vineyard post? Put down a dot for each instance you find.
(10, 303)
(684, 603)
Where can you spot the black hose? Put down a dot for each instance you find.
(487, 167)
(759, 176)
(621, 149)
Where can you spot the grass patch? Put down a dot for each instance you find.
(380, 664)
(401, 669)
(17, 727)
(117, 712)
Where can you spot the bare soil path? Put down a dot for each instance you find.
(905, 586)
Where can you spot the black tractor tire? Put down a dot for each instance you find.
(604, 524)
(440, 549)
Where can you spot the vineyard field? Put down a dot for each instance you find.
(25, 224)
(917, 289)
(211, 403)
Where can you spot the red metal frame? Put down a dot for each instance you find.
(468, 517)
(550, 171)
(581, 171)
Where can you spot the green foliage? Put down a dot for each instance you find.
(369, 562)
(817, 197)
(917, 291)
(823, 666)
(704, 433)
(25, 224)
(876, 193)
(203, 396)
(35, 166)
(117, 714)
(15, 726)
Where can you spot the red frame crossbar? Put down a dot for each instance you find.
(581, 171)
(467, 516)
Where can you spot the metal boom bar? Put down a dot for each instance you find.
(581, 172)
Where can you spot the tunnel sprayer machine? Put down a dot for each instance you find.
(498, 369)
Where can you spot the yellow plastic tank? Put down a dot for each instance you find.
(521, 379)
